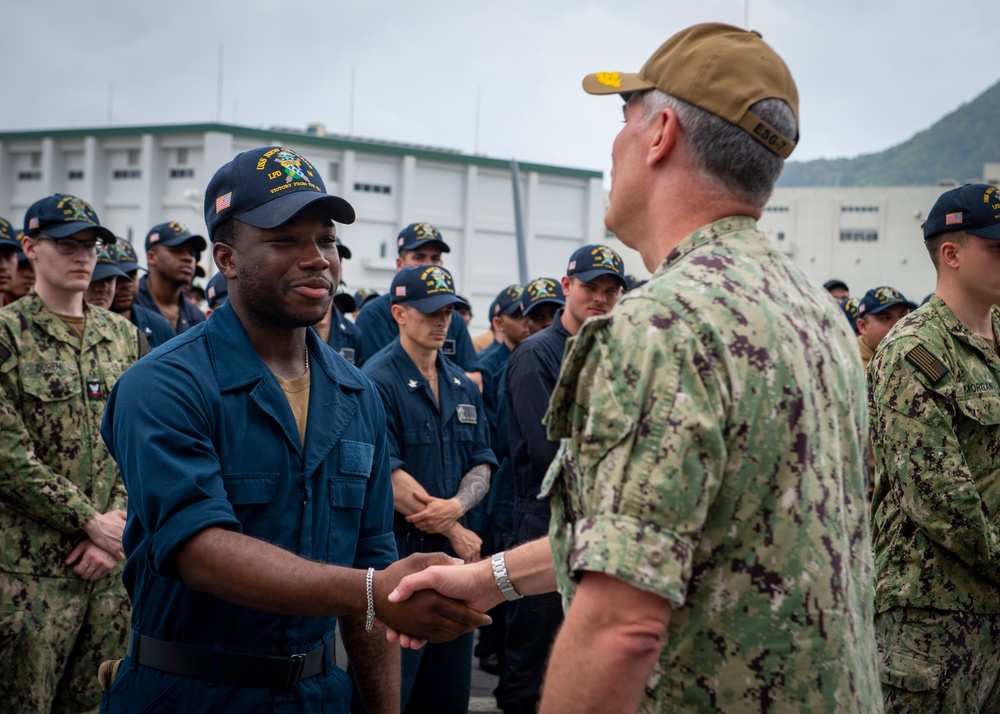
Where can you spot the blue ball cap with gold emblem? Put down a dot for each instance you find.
(7, 238)
(107, 264)
(417, 235)
(850, 307)
(266, 187)
(61, 215)
(507, 302)
(593, 261)
(172, 234)
(539, 291)
(878, 299)
(128, 261)
(973, 209)
(428, 288)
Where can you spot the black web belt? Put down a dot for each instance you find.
(226, 666)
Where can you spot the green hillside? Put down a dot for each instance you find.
(954, 148)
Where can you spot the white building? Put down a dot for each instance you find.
(866, 236)
(136, 177)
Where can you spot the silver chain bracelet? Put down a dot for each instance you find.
(370, 615)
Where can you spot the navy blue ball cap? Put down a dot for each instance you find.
(173, 234)
(416, 235)
(107, 264)
(128, 261)
(266, 187)
(634, 281)
(342, 250)
(542, 290)
(344, 301)
(364, 295)
(428, 288)
(61, 215)
(593, 261)
(217, 290)
(973, 209)
(878, 299)
(7, 237)
(835, 283)
(850, 307)
(507, 302)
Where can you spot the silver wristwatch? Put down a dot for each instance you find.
(500, 574)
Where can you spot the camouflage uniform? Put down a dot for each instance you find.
(934, 393)
(714, 429)
(56, 628)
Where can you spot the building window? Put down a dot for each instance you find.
(182, 156)
(775, 209)
(29, 175)
(133, 157)
(181, 173)
(334, 171)
(855, 235)
(781, 235)
(36, 159)
(74, 175)
(859, 209)
(372, 188)
(124, 174)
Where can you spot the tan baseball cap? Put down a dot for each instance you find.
(719, 68)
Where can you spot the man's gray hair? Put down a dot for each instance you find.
(724, 154)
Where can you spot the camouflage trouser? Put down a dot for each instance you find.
(54, 634)
(938, 661)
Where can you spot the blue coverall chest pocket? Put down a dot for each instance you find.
(250, 489)
(252, 496)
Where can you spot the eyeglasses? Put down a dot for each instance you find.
(69, 246)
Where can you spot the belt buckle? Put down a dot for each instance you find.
(296, 664)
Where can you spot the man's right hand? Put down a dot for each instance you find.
(105, 529)
(426, 614)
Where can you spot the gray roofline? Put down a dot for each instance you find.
(367, 145)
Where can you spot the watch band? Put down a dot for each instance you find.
(500, 574)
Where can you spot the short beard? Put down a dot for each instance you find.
(263, 310)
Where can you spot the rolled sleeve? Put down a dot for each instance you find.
(644, 555)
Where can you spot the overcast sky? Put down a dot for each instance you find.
(870, 73)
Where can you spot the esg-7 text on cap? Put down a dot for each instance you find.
(719, 68)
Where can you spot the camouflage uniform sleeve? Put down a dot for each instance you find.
(921, 467)
(28, 486)
(645, 453)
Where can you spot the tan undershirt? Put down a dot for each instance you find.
(75, 324)
(297, 393)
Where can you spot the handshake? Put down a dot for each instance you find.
(430, 597)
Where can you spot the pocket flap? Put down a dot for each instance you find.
(245, 489)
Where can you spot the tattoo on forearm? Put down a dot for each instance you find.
(474, 487)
